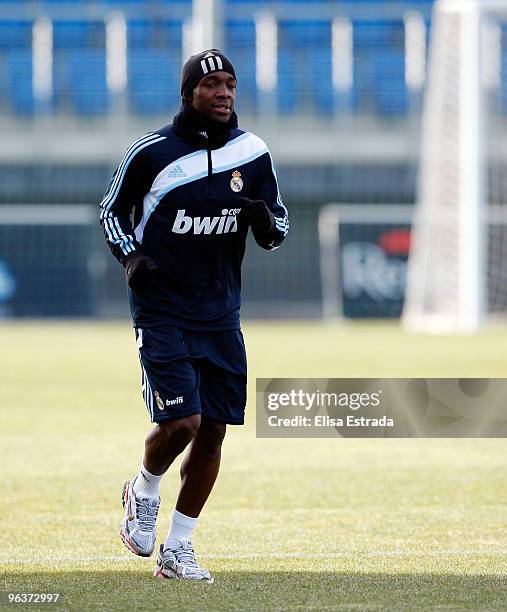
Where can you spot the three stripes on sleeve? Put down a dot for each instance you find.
(114, 218)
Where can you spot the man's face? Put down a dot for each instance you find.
(214, 96)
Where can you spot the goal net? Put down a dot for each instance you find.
(457, 269)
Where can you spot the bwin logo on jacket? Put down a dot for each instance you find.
(207, 225)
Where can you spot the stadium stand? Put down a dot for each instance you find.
(154, 55)
(240, 44)
(15, 53)
(79, 67)
(148, 93)
(304, 72)
(154, 59)
(19, 69)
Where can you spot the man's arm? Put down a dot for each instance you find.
(126, 190)
(266, 212)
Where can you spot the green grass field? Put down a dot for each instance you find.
(292, 524)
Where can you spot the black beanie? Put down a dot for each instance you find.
(198, 66)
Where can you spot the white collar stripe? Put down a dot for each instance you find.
(237, 139)
(238, 162)
(241, 150)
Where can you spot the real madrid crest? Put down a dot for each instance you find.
(159, 400)
(236, 181)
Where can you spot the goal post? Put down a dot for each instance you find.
(449, 274)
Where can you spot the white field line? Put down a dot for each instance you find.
(289, 555)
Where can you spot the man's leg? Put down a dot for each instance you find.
(199, 472)
(166, 441)
(199, 469)
(222, 392)
(141, 495)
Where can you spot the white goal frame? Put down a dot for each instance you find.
(470, 165)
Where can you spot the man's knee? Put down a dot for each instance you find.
(210, 436)
(181, 431)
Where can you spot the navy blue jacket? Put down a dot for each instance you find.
(177, 203)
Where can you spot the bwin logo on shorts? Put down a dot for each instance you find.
(207, 225)
(176, 400)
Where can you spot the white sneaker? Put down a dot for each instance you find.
(137, 528)
(179, 562)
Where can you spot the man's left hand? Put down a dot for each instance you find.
(257, 213)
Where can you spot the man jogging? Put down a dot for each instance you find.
(176, 216)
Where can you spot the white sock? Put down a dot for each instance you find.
(147, 483)
(181, 528)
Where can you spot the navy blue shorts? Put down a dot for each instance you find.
(188, 372)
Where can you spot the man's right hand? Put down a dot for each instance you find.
(140, 270)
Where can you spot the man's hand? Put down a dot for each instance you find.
(140, 271)
(257, 213)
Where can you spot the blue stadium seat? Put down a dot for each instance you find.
(307, 33)
(378, 34)
(87, 71)
(240, 33)
(53, 2)
(379, 84)
(155, 33)
(286, 93)
(244, 63)
(128, 3)
(15, 35)
(154, 65)
(122, 3)
(62, 81)
(78, 34)
(125, 2)
(362, 97)
(305, 58)
(503, 82)
(79, 81)
(153, 81)
(232, 2)
(16, 55)
(321, 79)
(305, 81)
(19, 69)
(391, 95)
(240, 47)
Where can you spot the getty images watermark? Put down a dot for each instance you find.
(381, 407)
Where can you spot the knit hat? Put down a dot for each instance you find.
(200, 65)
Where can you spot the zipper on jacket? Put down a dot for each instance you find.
(210, 165)
(209, 180)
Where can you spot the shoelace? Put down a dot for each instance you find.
(146, 514)
(186, 555)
